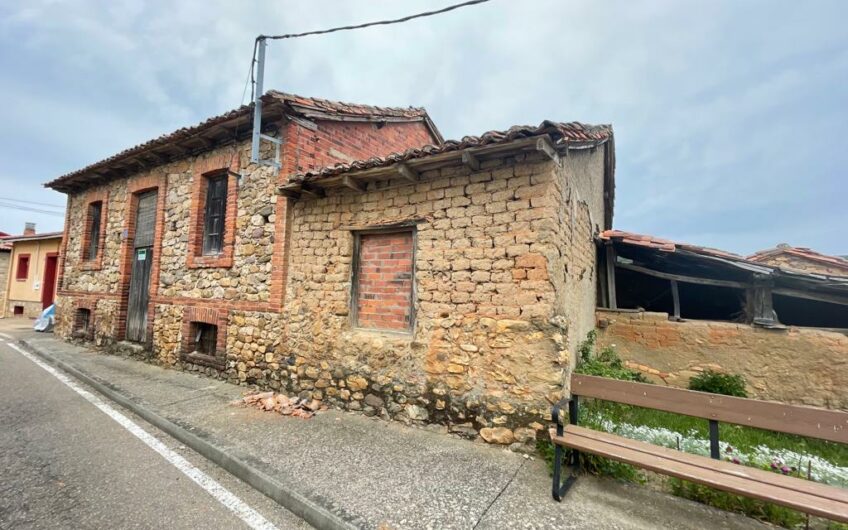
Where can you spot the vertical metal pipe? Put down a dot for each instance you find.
(257, 99)
(715, 452)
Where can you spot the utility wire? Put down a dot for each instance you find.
(347, 28)
(369, 24)
(27, 209)
(11, 199)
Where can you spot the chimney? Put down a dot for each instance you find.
(29, 229)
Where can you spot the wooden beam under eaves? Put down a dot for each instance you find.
(352, 183)
(311, 190)
(471, 161)
(407, 173)
(546, 146)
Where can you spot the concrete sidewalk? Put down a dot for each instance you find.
(364, 472)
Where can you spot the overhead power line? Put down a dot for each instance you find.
(377, 23)
(258, 59)
(346, 28)
(12, 199)
(28, 209)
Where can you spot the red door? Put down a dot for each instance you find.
(48, 286)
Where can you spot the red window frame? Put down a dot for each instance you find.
(22, 266)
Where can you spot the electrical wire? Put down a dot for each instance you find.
(377, 23)
(11, 199)
(347, 28)
(27, 209)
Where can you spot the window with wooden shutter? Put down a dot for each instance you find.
(94, 212)
(215, 215)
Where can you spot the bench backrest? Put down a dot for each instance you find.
(814, 422)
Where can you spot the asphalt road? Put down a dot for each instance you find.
(65, 463)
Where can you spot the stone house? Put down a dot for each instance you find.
(379, 269)
(173, 242)
(802, 259)
(31, 274)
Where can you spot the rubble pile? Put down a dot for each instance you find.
(282, 404)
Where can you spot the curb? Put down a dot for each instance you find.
(307, 509)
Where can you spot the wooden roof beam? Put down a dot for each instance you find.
(470, 161)
(546, 146)
(352, 183)
(407, 173)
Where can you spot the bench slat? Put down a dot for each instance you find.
(804, 502)
(814, 422)
(758, 475)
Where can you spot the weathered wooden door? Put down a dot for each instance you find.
(139, 296)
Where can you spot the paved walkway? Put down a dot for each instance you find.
(377, 474)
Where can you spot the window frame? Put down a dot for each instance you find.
(92, 241)
(214, 182)
(20, 257)
(355, 271)
(203, 168)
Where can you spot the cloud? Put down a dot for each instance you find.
(730, 118)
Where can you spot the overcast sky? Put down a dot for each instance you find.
(730, 118)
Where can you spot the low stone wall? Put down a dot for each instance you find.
(794, 365)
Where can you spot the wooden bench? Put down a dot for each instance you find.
(796, 493)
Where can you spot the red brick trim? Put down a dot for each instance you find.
(205, 315)
(135, 187)
(86, 262)
(204, 167)
(91, 305)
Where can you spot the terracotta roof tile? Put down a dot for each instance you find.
(667, 245)
(296, 104)
(800, 252)
(561, 133)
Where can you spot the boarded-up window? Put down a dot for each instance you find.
(94, 211)
(215, 214)
(383, 280)
(22, 271)
(205, 338)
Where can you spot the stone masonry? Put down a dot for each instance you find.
(794, 365)
(485, 276)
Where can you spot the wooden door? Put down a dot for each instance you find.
(142, 261)
(48, 285)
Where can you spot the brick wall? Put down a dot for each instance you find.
(384, 281)
(796, 365)
(332, 143)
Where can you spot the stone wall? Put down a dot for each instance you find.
(491, 331)
(796, 365)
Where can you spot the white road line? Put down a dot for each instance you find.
(7, 337)
(244, 512)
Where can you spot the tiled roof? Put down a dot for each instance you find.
(667, 245)
(800, 252)
(561, 133)
(33, 237)
(349, 109)
(298, 105)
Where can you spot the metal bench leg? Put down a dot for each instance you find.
(560, 488)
